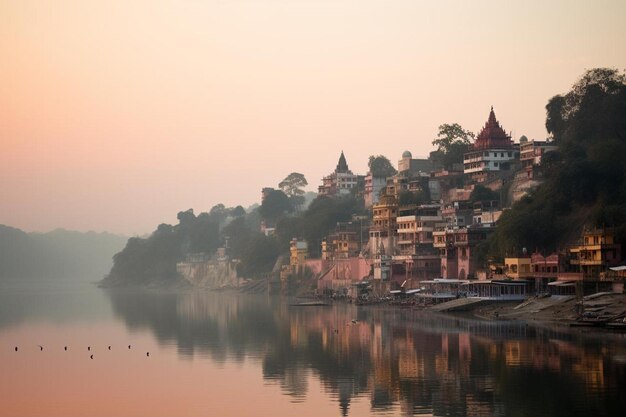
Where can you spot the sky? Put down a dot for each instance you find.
(115, 115)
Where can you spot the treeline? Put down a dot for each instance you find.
(585, 180)
(152, 261)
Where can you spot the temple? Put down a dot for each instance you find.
(492, 151)
(339, 182)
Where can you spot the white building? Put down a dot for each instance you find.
(492, 151)
(340, 182)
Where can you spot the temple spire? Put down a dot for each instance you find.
(342, 165)
(492, 135)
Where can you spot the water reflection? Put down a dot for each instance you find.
(52, 301)
(406, 362)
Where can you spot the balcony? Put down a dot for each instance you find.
(475, 169)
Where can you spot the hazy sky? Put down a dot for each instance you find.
(117, 115)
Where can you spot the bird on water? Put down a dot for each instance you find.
(128, 346)
(88, 347)
(65, 348)
(147, 353)
(91, 357)
(16, 348)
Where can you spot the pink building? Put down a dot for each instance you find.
(456, 250)
(341, 274)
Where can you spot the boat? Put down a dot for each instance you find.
(310, 304)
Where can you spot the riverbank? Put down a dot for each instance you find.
(565, 310)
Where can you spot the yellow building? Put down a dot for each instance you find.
(518, 268)
(384, 225)
(299, 253)
(596, 252)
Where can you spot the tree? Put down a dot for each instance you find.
(585, 180)
(380, 166)
(275, 205)
(292, 186)
(406, 198)
(452, 142)
(293, 183)
(219, 212)
(482, 193)
(238, 212)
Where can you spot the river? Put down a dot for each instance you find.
(223, 354)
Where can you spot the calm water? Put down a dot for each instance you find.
(228, 355)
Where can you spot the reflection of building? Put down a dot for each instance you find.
(492, 151)
(340, 182)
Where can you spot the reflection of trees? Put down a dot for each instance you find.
(420, 363)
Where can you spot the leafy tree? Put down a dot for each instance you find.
(482, 193)
(259, 256)
(238, 211)
(380, 166)
(239, 233)
(406, 198)
(292, 186)
(275, 205)
(452, 142)
(219, 212)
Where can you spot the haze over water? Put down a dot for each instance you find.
(227, 354)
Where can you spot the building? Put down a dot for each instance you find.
(298, 256)
(458, 214)
(518, 268)
(595, 253)
(531, 153)
(457, 247)
(492, 151)
(339, 182)
(414, 166)
(373, 187)
(415, 227)
(384, 226)
(344, 243)
(299, 253)
(486, 213)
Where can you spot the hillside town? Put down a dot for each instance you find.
(431, 249)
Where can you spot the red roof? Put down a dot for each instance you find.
(492, 135)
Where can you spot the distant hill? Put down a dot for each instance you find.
(57, 254)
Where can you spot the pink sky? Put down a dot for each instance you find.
(116, 115)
